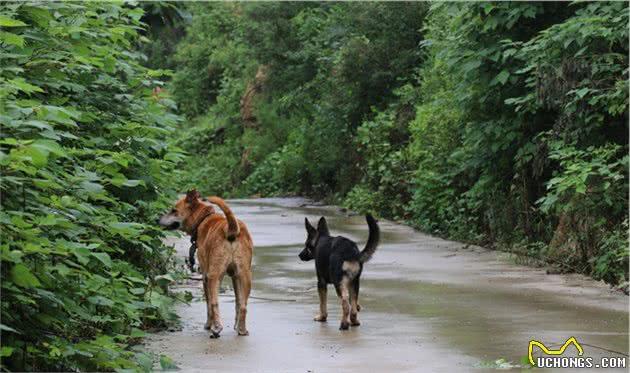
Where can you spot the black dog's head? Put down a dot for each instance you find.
(312, 239)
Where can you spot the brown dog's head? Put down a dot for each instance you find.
(185, 208)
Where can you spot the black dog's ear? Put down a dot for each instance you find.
(322, 227)
(192, 196)
(309, 228)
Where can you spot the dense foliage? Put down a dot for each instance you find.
(498, 123)
(85, 168)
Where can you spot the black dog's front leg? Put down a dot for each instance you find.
(322, 290)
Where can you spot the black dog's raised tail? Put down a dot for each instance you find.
(372, 242)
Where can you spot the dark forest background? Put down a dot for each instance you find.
(502, 124)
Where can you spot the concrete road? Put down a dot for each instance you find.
(428, 305)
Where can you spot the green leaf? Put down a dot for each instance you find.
(124, 228)
(35, 155)
(100, 301)
(145, 361)
(10, 22)
(82, 254)
(137, 333)
(6, 351)
(103, 258)
(137, 291)
(39, 15)
(7, 328)
(49, 146)
(167, 363)
(91, 188)
(122, 181)
(472, 64)
(503, 77)
(11, 39)
(167, 278)
(23, 277)
(23, 86)
(582, 92)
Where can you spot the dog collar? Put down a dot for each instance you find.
(193, 241)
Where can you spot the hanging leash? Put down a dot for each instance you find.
(193, 246)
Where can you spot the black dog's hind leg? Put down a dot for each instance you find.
(354, 302)
(345, 303)
(356, 286)
(322, 290)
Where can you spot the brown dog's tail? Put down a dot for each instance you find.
(233, 228)
(373, 238)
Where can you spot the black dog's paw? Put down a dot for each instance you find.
(344, 325)
(320, 318)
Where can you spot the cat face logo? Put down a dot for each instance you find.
(547, 351)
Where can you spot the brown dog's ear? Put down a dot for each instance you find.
(309, 228)
(322, 227)
(192, 196)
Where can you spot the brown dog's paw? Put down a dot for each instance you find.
(344, 325)
(354, 322)
(243, 332)
(215, 330)
(320, 318)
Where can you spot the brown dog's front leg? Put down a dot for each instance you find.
(212, 303)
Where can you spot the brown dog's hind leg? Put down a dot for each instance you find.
(244, 284)
(322, 290)
(214, 319)
(206, 297)
(237, 301)
(345, 304)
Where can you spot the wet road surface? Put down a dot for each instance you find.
(427, 305)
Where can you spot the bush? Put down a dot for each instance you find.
(611, 262)
(279, 174)
(86, 169)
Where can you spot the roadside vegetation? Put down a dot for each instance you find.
(502, 124)
(86, 167)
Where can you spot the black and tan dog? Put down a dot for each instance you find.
(224, 246)
(338, 261)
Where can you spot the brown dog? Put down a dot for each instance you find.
(224, 246)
